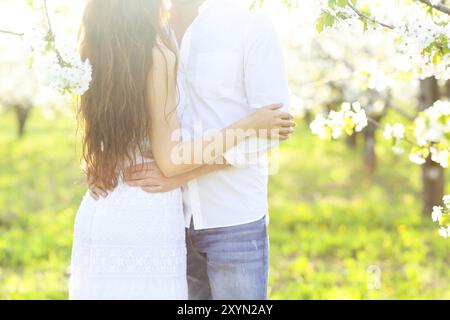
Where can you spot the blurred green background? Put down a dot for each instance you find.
(330, 226)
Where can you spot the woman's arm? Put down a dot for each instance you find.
(150, 178)
(164, 123)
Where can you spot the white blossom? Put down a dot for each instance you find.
(318, 126)
(431, 129)
(57, 65)
(66, 72)
(446, 200)
(444, 232)
(417, 159)
(336, 121)
(359, 117)
(350, 117)
(440, 156)
(396, 131)
(436, 215)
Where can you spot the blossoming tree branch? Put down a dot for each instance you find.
(423, 35)
(421, 31)
(56, 61)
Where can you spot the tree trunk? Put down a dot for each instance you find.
(352, 141)
(432, 173)
(22, 112)
(370, 157)
(308, 117)
(433, 185)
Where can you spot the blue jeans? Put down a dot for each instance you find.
(229, 263)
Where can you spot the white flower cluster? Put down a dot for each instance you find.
(58, 66)
(345, 19)
(442, 216)
(422, 41)
(396, 134)
(351, 118)
(65, 73)
(431, 131)
(423, 37)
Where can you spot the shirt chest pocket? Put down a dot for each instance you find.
(217, 74)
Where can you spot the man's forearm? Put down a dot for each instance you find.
(204, 170)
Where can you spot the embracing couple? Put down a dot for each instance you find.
(182, 109)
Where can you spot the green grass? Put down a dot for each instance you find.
(328, 222)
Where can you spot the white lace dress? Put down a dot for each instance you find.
(129, 246)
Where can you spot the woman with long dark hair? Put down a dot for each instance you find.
(131, 244)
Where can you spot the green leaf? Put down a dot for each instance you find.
(325, 20)
(319, 25)
(437, 57)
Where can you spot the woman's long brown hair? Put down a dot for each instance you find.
(118, 38)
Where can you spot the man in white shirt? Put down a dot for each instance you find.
(231, 63)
